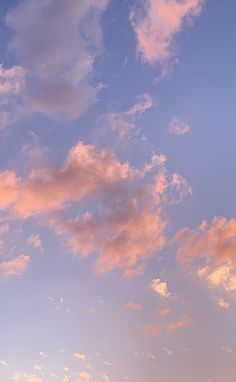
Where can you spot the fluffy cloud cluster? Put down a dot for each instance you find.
(213, 251)
(127, 224)
(57, 43)
(157, 23)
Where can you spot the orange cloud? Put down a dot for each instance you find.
(216, 243)
(164, 312)
(158, 22)
(212, 250)
(183, 322)
(132, 306)
(152, 330)
(130, 226)
(15, 267)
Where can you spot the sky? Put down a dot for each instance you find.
(117, 189)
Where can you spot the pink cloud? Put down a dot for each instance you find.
(156, 24)
(15, 267)
(211, 252)
(132, 306)
(127, 224)
(216, 243)
(184, 321)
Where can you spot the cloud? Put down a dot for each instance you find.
(223, 304)
(164, 312)
(123, 125)
(156, 24)
(178, 127)
(15, 267)
(127, 222)
(3, 363)
(152, 330)
(132, 306)
(160, 288)
(212, 250)
(35, 241)
(85, 377)
(22, 377)
(57, 43)
(12, 82)
(81, 357)
(184, 321)
(216, 243)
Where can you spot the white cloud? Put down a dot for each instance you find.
(160, 288)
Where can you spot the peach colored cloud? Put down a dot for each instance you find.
(183, 322)
(164, 312)
(129, 225)
(132, 306)
(160, 287)
(152, 330)
(212, 251)
(216, 243)
(15, 267)
(85, 171)
(157, 23)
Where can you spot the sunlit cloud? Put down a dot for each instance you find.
(184, 321)
(160, 287)
(15, 267)
(156, 24)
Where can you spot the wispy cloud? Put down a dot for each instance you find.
(15, 267)
(178, 127)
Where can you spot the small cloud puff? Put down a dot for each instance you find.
(160, 288)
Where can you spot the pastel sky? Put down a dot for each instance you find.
(117, 191)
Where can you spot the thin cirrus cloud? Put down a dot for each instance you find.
(58, 62)
(214, 248)
(156, 24)
(127, 232)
